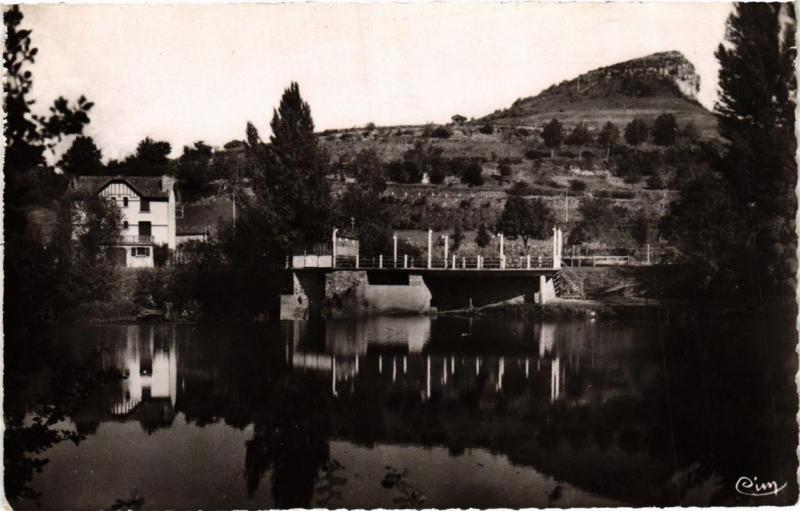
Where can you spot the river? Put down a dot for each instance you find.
(402, 412)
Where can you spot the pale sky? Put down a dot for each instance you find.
(199, 72)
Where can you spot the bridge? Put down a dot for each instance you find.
(333, 279)
(343, 254)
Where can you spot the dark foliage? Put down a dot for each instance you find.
(637, 132)
(82, 158)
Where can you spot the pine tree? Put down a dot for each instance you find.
(756, 116)
(293, 205)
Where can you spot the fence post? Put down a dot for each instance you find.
(445, 251)
(380, 261)
(333, 249)
(356, 260)
(430, 247)
(454, 262)
(395, 250)
(528, 262)
(464, 262)
(405, 260)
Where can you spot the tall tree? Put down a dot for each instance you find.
(608, 137)
(82, 158)
(579, 135)
(292, 205)
(369, 170)
(665, 130)
(553, 135)
(194, 171)
(30, 263)
(755, 111)
(525, 219)
(363, 204)
(636, 132)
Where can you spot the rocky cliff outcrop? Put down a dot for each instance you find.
(644, 87)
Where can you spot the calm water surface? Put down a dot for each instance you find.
(401, 412)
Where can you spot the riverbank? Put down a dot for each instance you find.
(640, 309)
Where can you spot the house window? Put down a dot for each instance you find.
(144, 205)
(124, 202)
(140, 251)
(145, 229)
(125, 224)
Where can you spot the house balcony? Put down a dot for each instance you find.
(136, 240)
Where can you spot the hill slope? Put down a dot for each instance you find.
(645, 87)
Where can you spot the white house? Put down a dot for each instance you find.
(148, 214)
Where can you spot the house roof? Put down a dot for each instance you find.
(203, 218)
(157, 187)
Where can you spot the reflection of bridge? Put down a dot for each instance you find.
(391, 351)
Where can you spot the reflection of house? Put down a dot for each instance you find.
(150, 369)
(147, 205)
(201, 221)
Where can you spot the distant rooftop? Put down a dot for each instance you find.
(203, 218)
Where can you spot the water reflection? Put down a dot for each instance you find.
(149, 365)
(311, 413)
(358, 350)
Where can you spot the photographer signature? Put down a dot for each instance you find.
(752, 488)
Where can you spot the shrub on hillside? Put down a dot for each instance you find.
(614, 194)
(637, 164)
(632, 179)
(520, 188)
(486, 129)
(441, 132)
(472, 175)
(655, 182)
(577, 185)
(533, 154)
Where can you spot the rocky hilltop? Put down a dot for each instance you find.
(644, 87)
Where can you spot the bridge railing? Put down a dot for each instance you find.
(440, 263)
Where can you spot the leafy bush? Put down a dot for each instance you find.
(655, 182)
(533, 154)
(486, 129)
(520, 188)
(577, 185)
(441, 132)
(615, 194)
(152, 288)
(472, 175)
(632, 179)
(161, 255)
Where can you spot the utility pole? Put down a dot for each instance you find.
(566, 207)
(233, 192)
